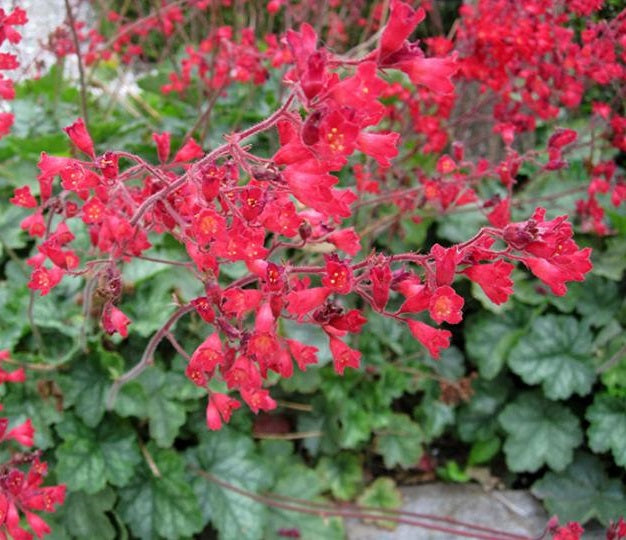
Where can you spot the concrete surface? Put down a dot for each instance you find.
(515, 512)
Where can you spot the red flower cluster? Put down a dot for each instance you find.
(528, 50)
(22, 491)
(231, 206)
(8, 61)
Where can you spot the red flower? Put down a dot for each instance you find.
(114, 320)
(238, 301)
(108, 165)
(15, 376)
(381, 146)
(43, 279)
(562, 137)
(494, 279)
(243, 374)
(571, 531)
(23, 197)
(34, 224)
(162, 141)
(6, 121)
(380, 276)
(434, 73)
(338, 276)
(38, 525)
(555, 275)
(301, 302)
(402, 21)
(204, 360)
(500, 215)
(208, 225)
(343, 356)
(302, 354)
(352, 321)
(445, 305)
(93, 211)
(190, 150)
(204, 308)
(219, 408)
(445, 263)
(79, 135)
(346, 240)
(23, 433)
(433, 339)
(258, 399)
(617, 530)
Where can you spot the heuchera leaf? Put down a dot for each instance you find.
(477, 420)
(607, 429)
(556, 353)
(489, 338)
(342, 474)
(611, 262)
(582, 492)
(398, 440)
(599, 300)
(432, 414)
(85, 516)
(159, 502)
(85, 388)
(88, 459)
(540, 432)
(382, 493)
(229, 456)
(151, 396)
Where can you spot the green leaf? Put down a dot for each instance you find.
(391, 384)
(455, 227)
(599, 300)
(540, 432)
(23, 401)
(356, 425)
(489, 338)
(152, 396)
(607, 426)
(477, 420)
(556, 353)
(482, 451)
(451, 364)
(382, 493)
(433, 416)
(85, 516)
(300, 482)
(85, 388)
(159, 502)
(614, 378)
(582, 492)
(611, 262)
(228, 457)
(13, 323)
(528, 290)
(398, 440)
(342, 474)
(452, 472)
(88, 459)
